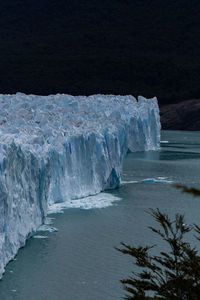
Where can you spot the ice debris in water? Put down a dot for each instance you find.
(101, 200)
(60, 148)
(150, 180)
(164, 142)
(159, 179)
(47, 228)
(40, 237)
(128, 182)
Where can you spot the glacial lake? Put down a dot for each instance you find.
(79, 262)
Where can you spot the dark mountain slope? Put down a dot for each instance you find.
(148, 47)
(181, 116)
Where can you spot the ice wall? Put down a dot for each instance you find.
(63, 147)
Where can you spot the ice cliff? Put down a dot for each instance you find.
(59, 147)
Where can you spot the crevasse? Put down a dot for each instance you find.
(59, 147)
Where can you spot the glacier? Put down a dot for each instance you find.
(61, 147)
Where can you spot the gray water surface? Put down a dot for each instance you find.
(79, 261)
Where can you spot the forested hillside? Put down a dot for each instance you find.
(148, 47)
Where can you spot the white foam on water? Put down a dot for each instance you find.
(164, 142)
(47, 228)
(40, 237)
(123, 182)
(101, 200)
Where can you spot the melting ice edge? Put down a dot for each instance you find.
(59, 148)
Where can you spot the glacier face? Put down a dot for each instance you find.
(59, 147)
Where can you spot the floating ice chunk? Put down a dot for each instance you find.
(154, 180)
(47, 228)
(150, 180)
(164, 142)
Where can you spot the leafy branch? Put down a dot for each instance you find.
(170, 275)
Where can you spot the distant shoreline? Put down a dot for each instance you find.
(181, 116)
